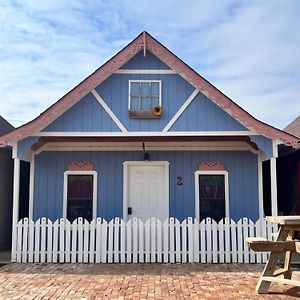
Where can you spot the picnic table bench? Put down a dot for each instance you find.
(285, 244)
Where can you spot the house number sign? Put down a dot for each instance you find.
(179, 180)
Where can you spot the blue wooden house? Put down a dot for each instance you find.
(145, 136)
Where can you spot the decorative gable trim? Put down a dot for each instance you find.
(211, 166)
(142, 42)
(77, 165)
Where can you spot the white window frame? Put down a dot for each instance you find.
(143, 81)
(197, 196)
(65, 197)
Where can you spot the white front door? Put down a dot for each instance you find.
(147, 190)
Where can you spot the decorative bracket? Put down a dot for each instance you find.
(211, 166)
(77, 165)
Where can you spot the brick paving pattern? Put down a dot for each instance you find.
(136, 281)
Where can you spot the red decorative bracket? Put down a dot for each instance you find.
(77, 165)
(211, 166)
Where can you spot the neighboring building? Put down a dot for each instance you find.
(288, 174)
(145, 136)
(6, 180)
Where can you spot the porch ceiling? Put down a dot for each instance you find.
(132, 142)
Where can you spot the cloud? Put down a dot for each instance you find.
(248, 49)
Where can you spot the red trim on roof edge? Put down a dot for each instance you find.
(171, 60)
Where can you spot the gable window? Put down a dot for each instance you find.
(211, 189)
(144, 95)
(80, 193)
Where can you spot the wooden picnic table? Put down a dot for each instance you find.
(284, 243)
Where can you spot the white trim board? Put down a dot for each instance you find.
(126, 165)
(181, 110)
(197, 200)
(65, 192)
(260, 186)
(15, 212)
(31, 186)
(144, 71)
(144, 133)
(137, 146)
(108, 110)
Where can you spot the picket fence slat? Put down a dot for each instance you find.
(25, 237)
(37, 241)
(103, 241)
(202, 242)
(110, 241)
(116, 240)
(135, 248)
(128, 241)
(98, 240)
(137, 241)
(49, 240)
(74, 242)
(221, 241)
(31, 241)
(68, 241)
(159, 241)
(86, 239)
(190, 240)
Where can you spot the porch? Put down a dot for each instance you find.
(181, 238)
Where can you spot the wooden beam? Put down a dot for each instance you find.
(267, 246)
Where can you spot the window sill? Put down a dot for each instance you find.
(142, 114)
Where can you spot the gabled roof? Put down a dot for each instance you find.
(294, 127)
(146, 42)
(5, 126)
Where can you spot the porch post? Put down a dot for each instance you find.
(15, 214)
(31, 187)
(274, 205)
(260, 186)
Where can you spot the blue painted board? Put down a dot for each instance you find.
(263, 143)
(24, 146)
(241, 165)
(86, 115)
(148, 62)
(201, 115)
(204, 115)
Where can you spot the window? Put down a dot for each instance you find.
(211, 189)
(144, 94)
(80, 194)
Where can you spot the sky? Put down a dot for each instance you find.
(250, 50)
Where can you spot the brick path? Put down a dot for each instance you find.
(135, 281)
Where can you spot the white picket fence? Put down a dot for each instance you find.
(139, 242)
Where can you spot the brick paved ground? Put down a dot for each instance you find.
(135, 281)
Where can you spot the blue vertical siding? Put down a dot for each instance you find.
(201, 115)
(148, 62)
(241, 166)
(263, 143)
(85, 115)
(24, 146)
(175, 90)
(204, 115)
